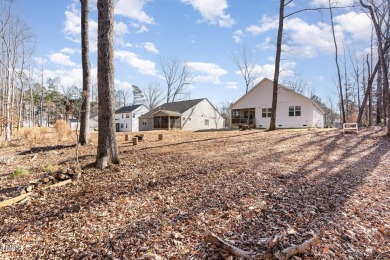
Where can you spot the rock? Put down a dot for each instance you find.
(30, 188)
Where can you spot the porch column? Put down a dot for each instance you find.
(169, 122)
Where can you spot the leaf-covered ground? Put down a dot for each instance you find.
(244, 186)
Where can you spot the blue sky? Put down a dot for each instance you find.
(201, 33)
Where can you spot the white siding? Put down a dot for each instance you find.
(318, 118)
(130, 124)
(135, 126)
(261, 97)
(196, 117)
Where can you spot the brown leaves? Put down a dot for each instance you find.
(242, 186)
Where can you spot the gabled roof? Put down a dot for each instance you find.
(168, 112)
(282, 87)
(178, 107)
(127, 109)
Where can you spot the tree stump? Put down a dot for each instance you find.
(126, 138)
(160, 137)
(135, 140)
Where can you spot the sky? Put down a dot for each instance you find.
(202, 34)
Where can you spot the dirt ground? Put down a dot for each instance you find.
(244, 186)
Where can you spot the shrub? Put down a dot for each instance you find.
(62, 129)
(19, 172)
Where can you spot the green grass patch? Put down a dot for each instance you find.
(19, 172)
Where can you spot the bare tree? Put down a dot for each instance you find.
(376, 14)
(272, 125)
(340, 86)
(244, 61)
(298, 84)
(178, 77)
(86, 95)
(279, 40)
(122, 97)
(153, 96)
(107, 151)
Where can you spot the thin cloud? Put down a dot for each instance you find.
(144, 67)
(133, 9)
(61, 59)
(212, 11)
(266, 24)
(208, 72)
(149, 47)
(70, 50)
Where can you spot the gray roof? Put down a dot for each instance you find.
(179, 107)
(127, 109)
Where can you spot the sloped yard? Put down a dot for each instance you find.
(244, 186)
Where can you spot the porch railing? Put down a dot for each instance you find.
(243, 121)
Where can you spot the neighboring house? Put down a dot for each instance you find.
(73, 124)
(293, 109)
(93, 123)
(126, 118)
(196, 114)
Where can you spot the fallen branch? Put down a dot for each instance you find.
(11, 201)
(271, 244)
(224, 246)
(299, 249)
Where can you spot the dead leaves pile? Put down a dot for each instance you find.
(244, 187)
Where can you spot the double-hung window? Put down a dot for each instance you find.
(294, 111)
(266, 112)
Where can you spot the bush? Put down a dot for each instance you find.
(19, 172)
(62, 129)
(33, 135)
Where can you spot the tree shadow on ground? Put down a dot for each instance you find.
(46, 149)
(303, 196)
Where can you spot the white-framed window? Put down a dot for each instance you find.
(126, 125)
(206, 122)
(294, 111)
(133, 115)
(127, 116)
(266, 112)
(122, 115)
(144, 121)
(121, 125)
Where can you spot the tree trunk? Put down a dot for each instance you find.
(107, 152)
(86, 97)
(272, 125)
(338, 67)
(381, 55)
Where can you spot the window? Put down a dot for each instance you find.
(127, 116)
(143, 121)
(266, 112)
(294, 111)
(121, 125)
(126, 125)
(236, 114)
(122, 115)
(206, 122)
(133, 115)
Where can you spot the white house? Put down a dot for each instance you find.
(126, 118)
(196, 114)
(293, 110)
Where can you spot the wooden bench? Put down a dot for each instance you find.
(350, 127)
